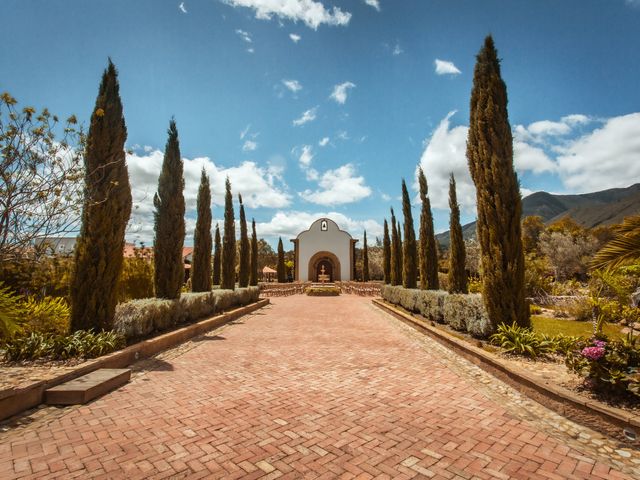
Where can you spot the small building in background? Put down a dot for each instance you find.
(324, 252)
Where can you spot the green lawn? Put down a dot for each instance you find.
(553, 326)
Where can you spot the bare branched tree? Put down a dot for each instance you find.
(40, 177)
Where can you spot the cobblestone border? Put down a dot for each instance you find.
(598, 416)
(17, 400)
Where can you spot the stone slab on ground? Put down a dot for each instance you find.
(84, 389)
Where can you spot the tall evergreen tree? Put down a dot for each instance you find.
(202, 242)
(490, 155)
(365, 259)
(217, 256)
(428, 253)
(228, 280)
(106, 210)
(396, 271)
(169, 221)
(245, 252)
(399, 259)
(457, 272)
(253, 278)
(386, 254)
(280, 268)
(409, 254)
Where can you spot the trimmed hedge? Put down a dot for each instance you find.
(139, 318)
(322, 291)
(463, 312)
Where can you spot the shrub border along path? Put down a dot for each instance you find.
(608, 420)
(14, 401)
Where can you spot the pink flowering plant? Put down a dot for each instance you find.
(610, 367)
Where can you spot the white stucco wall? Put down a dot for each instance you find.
(332, 240)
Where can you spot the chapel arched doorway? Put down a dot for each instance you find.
(326, 261)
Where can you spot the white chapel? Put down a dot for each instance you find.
(324, 250)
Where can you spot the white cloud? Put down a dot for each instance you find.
(182, 8)
(633, 3)
(546, 131)
(259, 186)
(293, 85)
(294, 38)
(244, 35)
(444, 67)
(343, 135)
(311, 174)
(385, 197)
(576, 118)
(339, 93)
(307, 116)
(324, 142)
(338, 187)
(444, 153)
(306, 156)
(288, 224)
(250, 50)
(244, 132)
(548, 127)
(373, 3)
(528, 157)
(397, 50)
(249, 146)
(607, 157)
(311, 13)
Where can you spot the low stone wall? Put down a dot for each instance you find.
(365, 289)
(282, 289)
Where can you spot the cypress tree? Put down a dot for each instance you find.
(399, 261)
(245, 253)
(428, 250)
(202, 244)
(217, 256)
(169, 221)
(106, 210)
(386, 254)
(490, 156)
(228, 280)
(396, 276)
(365, 259)
(253, 278)
(457, 272)
(280, 267)
(409, 272)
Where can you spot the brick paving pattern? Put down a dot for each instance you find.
(308, 387)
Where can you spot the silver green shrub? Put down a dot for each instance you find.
(461, 312)
(140, 318)
(197, 305)
(430, 304)
(467, 312)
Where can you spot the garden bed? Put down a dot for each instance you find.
(548, 382)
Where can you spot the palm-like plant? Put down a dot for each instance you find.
(624, 247)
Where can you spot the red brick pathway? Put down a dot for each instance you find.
(307, 388)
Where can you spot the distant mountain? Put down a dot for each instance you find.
(587, 209)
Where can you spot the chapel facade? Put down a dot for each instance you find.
(324, 252)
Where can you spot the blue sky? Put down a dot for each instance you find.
(318, 107)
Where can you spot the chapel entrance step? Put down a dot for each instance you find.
(84, 389)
